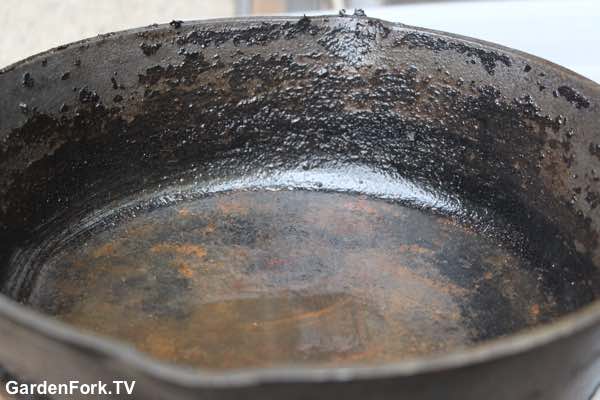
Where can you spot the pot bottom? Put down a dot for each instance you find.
(262, 277)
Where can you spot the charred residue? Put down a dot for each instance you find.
(252, 36)
(28, 80)
(488, 58)
(184, 73)
(150, 48)
(573, 97)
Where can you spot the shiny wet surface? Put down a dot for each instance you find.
(259, 278)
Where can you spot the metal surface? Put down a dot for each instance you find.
(247, 279)
(334, 182)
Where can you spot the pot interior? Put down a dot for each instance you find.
(326, 190)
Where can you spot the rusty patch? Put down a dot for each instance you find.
(245, 279)
(179, 249)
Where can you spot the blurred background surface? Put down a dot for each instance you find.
(564, 31)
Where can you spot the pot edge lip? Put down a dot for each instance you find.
(587, 317)
(276, 18)
(106, 348)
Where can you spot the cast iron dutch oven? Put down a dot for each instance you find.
(300, 208)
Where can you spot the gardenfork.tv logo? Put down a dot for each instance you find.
(120, 387)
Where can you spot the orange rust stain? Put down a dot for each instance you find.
(414, 248)
(373, 352)
(361, 205)
(309, 314)
(105, 250)
(232, 206)
(209, 228)
(534, 310)
(185, 270)
(238, 284)
(160, 346)
(275, 262)
(141, 230)
(205, 230)
(184, 212)
(488, 275)
(181, 249)
(78, 263)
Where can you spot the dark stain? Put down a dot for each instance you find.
(256, 35)
(88, 96)
(149, 49)
(27, 80)
(593, 198)
(594, 149)
(185, 73)
(488, 58)
(574, 97)
(176, 24)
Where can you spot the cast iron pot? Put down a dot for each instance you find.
(97, 132)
